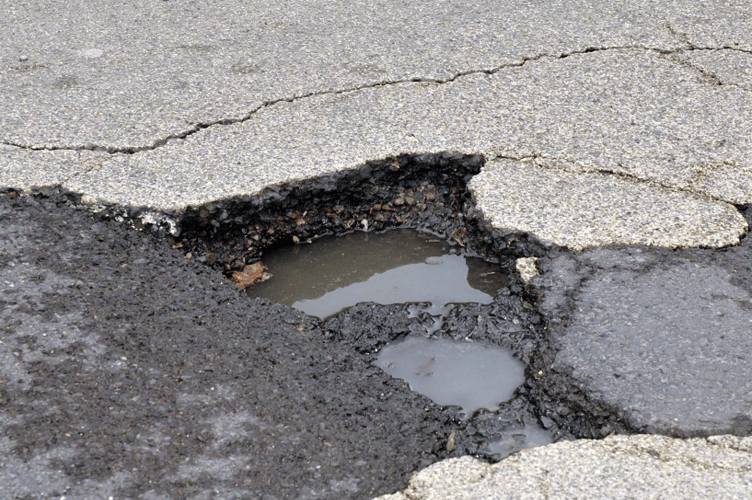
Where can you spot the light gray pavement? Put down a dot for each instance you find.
(625, 122)
(619, 467)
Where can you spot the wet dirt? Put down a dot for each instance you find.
(509, 323)
(411, 191)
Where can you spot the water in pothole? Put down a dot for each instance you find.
(393, 267)
(465, 374)
(406, 266)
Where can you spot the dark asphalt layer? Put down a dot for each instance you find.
(659, 338)
(127, 370)
(130, 371)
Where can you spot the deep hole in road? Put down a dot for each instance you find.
(427, 192)
(388, 267)
(403, 266)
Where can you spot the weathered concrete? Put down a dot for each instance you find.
(632, 112)
(123, 76)
(580, 210)
(618, 467)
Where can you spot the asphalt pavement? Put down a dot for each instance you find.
(613, 140)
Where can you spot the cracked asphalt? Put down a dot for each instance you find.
(614, 139)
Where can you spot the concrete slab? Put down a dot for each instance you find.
(720, 67)
(126, 76)
(617, 467)
(27, 169)
(579, 210)
(705, 25)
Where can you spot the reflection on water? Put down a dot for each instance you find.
(392, 267)
(407, 266)
(464, 374)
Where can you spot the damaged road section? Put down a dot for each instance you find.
(425, 191)
(243, 350)
(647, 340)
(130, 371)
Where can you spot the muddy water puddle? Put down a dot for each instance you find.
(393, 267)
(465, 374)
(433, 277)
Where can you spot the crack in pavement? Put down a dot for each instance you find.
(691, 46)
(679, 34)
(524, 60)
(705, 75)
(708, 76)
(542, 161)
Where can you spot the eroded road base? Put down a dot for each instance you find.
(430, 192)
(132, 369)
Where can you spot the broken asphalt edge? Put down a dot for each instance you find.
(548, 390)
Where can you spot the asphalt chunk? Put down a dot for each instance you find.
(647, 340)
(130, 371)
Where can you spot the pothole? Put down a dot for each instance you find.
(428, 192)
(404, 266)
(418, 285)
(391, 267)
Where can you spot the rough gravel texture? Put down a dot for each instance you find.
(130, 75)
(129, 371)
